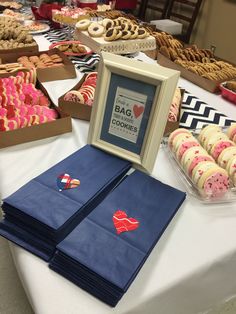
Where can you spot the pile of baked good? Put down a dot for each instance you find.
(13, 35)
(68, 15)
(40, 62)
(231, 85)
(17, 15)
(85, 94)
(199, 61)
(110, 30)
(71, 47)
(11, 5)
(210, 160)
(22, 104)
(10, 67)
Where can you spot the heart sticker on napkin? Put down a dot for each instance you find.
(138, 110)
(124, 223)
(64, 182)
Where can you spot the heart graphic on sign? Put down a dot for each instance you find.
(64, 182)
(124, 223)
(138, 110)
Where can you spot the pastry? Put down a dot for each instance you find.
(95, 29)
(83, 25)
(111, 34)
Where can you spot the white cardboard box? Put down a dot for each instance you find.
(168, 26)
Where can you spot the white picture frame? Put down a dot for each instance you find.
(130, 109)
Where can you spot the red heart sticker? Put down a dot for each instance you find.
(138, 110)
(124, 223)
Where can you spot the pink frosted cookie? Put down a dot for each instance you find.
(231, 169)
(231, 131)
(179, 139)
(174, 108)
(219, 146)
(210, 179)
(175, 133)
(184, 146)
(226, 155)
(3, 112)
(91, 75)
(4, 124)
(74, 96)
(206, 131)
(192, 157)
(212, 139)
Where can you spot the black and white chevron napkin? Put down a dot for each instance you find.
(195, 113)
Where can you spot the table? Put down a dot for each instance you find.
(192, 266)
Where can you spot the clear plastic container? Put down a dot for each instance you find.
(191, 189)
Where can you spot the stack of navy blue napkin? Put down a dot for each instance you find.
(44, 211)
(105, 252)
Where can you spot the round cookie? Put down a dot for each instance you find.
(174, 134)
(231, 169)
(107, 23)
(210, 179)
(95, 29)
(231, 132)
(226, 155)
(184, 146)
(212, 138)
(189, 160)
(142, 33)
(206, 130)
(111, 34)
(82, 25)
(219, 146)
(179, 139)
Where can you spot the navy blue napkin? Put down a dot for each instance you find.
(106, 251)
(41, 213)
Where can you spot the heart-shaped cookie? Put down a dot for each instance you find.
(64, 182)
(124, 223)
(138, 110)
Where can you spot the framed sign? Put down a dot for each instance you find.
(130, 110)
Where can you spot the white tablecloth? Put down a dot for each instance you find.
(191, 268)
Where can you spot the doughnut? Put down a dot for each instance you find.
(83, 25)
(95, 29)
